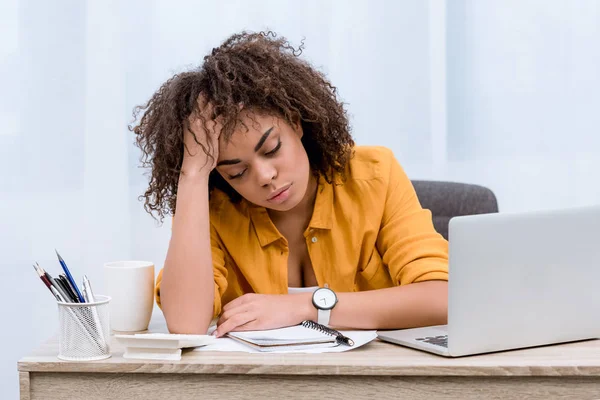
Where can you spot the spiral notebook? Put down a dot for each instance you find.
(309, 334)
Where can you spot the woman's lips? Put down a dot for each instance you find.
(280, 197)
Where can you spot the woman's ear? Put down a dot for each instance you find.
(297, 126)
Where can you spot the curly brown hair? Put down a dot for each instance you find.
(261, 72)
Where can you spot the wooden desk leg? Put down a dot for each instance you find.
(24, 387)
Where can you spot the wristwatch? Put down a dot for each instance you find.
(324, 299)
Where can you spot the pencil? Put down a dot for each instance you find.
(69, 277)
(43, 277)
(91, 332)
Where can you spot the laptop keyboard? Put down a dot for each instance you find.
(436, 340)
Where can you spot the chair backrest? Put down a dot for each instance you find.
(450, 199)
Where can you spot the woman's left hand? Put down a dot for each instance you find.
(264, 311)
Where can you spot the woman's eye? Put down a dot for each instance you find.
(270, 153)
(237, 175)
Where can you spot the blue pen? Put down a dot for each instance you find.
(69, 277)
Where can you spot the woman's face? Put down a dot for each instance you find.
(265, 161)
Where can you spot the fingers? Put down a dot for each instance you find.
(235, 322)
(235, 314)
(202, 119)
(244, 299)
(201, 138)
(205, 117)
(232, 311)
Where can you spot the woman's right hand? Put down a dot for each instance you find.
(195, 158)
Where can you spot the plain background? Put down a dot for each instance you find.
(499, 93)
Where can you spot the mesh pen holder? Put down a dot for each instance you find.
(84, 330)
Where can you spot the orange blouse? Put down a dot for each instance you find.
(369, 232)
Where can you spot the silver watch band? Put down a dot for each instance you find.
(323, 317)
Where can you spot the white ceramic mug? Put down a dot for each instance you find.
(130, 284)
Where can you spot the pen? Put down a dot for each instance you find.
(68, 288)
(57, 294)
(87, 330)
(85, 295)
(87, 287)
(344, 340)
(49, 281)
(340, 338)
(89, 294)
(69, 277)
(58, 286)
(91, 332)
(42, 274)
(68, 285)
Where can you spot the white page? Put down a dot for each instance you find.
(164, 340)
(291, 334)
(360, 338)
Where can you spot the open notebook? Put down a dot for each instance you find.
(307, 335)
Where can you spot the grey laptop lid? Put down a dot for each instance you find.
(523, 279)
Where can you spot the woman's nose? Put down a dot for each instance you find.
(266, 174)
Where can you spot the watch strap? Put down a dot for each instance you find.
(323, 316)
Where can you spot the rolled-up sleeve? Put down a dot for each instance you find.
(408, 243)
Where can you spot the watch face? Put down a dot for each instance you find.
(324, 299)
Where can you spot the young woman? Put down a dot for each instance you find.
(278, 216)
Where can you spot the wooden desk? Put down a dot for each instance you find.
(377, 371)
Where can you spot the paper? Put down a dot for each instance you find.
(290, 335)
(164, 341)
(360, 338)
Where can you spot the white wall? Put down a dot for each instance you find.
(497, 93)
(523, 100)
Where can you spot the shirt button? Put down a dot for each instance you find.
(314, 239)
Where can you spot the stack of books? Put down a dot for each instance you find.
(160, 346)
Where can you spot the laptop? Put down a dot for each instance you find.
(517, 280)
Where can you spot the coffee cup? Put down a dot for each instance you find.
(130, 284)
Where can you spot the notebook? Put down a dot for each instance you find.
(309, 334)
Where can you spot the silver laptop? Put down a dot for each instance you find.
(517, 280)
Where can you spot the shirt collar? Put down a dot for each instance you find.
(265, 229)
(323, 211)
(322, 217)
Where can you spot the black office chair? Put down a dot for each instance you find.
(450, 199)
